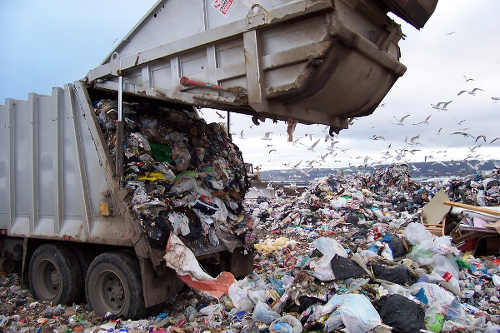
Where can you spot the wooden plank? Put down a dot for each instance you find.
(473, 208)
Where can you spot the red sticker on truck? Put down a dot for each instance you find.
(222, 6)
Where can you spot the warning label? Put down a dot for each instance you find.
(222, 6)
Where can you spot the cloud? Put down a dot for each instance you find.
(51, 43)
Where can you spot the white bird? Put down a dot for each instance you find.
(468, 79)
(439, 131)
(314, 145)
(473, 91)
(481, 137)
(461, 122)
(267, 136)
(464, 134)
(272, 151)
(414, 139)
(376, 137)
(242, 135)
(400, 121)
(441, 105)
(296, 165)
(220, 116)
(495, 99)
(426, 121)
(495, 139)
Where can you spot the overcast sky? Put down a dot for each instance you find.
(49, 43)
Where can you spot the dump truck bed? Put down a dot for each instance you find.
(55, 173)
(312, 61)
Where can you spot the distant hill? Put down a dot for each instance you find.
(417, 170)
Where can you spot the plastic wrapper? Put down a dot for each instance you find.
(263, 313)
(286, 324)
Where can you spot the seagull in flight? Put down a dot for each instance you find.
(272, 151)
(441, 105)
(468, 79)
(314, 145)
(242, 135)
(495, 99)
(461, 122)
(426, 121)
(400, 121)
(220, 116)
(464, 134)
(472, 92)
(376, 137)
(267, 136)
(481, 137)
(495, 139)
(439, 131)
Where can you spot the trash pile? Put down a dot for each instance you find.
(479, 189)
(343, 256)
(183, 176)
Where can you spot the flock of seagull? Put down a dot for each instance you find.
(410, 147)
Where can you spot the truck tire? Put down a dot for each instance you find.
(113, 284)
(54, 274)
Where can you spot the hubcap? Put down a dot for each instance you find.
(112, 292)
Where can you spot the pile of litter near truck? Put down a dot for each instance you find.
(357, 253)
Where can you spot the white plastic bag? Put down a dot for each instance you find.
(442, 245)
(263, 313)
(434, 294)
(357, 312)
(446, 270)
(422, 252)
(322, 268)
(416, 233)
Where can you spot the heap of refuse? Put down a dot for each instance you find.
(183, 176)
(351, 253)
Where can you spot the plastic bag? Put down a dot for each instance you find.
(434, 319)
(401, 313)
(387, 253)
(357, 312)
(442, 245)
(431, 294)
(263, 313)
(322, 267)
(445, 269)
(422, 252)
(416, 233)
(345, 268)
(245, 293)
(400, 274)
(329, 246)
(286, 324)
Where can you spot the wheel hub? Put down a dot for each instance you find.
(112, 291)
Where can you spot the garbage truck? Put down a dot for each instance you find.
(71, 163)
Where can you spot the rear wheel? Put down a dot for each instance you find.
(54, 274)
(113, 284)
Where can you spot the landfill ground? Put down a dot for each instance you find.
(348, 254)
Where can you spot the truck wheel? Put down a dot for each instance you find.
(113, 284)
(54, 274)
